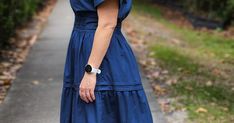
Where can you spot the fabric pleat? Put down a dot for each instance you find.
(108, 107)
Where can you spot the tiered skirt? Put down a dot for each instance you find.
(119, 94)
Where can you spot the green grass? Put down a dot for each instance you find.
(193, 85)
(217, 99)
(205, 42)
(178, 62)
(186, 63)
(208, 43)
(142, 6)
(173, 60)
(214, 93)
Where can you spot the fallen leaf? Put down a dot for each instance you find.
(143, 62)
(33, 40)
(189, 88)
(151, 53)
(171, 81)
(6, 64)
(176, 41)
(216, 71)
(159, 90)
(165, 105)
(165, 72)
(155, 74)
(5, 82)
(232, 89)
(226, 55)
(201, 110)
(225, 109)
(35, 82)
(209, 83)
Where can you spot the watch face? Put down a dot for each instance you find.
(88, 68)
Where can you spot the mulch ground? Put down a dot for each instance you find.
(15, 53)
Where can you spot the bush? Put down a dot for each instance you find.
(13, 13)
(220, 10)
(216, 10)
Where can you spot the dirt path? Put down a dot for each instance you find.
(143, 31)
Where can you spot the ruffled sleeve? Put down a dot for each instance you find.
(99, 2)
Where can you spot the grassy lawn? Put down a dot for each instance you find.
(204, 65)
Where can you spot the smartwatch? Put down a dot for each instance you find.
(90, 69)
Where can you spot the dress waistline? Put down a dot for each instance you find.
(89, 21)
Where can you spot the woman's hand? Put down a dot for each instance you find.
(87, 87)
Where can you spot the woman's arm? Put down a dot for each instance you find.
(107, 14)
(107, 20)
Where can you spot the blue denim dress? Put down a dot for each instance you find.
(119, 94)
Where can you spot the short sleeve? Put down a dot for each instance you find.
(99, 2)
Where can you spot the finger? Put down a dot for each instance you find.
(88, 95)
(84, 97)
(92, 94)
(82, 94)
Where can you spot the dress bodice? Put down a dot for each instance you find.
(119, 67)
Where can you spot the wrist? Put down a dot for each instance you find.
(93, 64)
(90, 74)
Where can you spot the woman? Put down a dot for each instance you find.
(102, 83)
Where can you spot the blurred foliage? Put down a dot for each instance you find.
(213, 9)
(220, 10)
(13, 13)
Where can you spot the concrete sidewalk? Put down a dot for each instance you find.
(34, 96)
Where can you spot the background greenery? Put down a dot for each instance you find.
(214, 9)
(200, 61)
(219, 10)
(13, 13)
